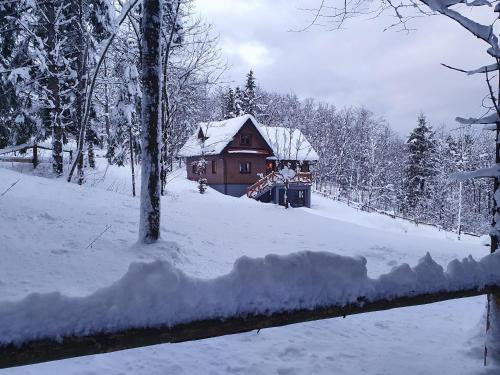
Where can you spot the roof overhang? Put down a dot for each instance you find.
(248, 151)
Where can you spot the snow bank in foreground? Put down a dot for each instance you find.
(157, 293)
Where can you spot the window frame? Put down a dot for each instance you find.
(245, 170)
(247, 137)
(214, 166)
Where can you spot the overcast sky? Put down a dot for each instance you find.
(395, 74)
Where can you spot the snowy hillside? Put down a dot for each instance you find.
(60, 237)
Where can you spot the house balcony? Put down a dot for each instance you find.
(273, 179)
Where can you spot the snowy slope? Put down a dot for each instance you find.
(46, 227)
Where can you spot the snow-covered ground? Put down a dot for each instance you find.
(47, 226)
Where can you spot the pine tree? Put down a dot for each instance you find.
(229, 108)
(124, 113)
(421, 166)
(17, 123)
(249, 104)
(238, 102)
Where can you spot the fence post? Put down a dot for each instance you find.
(35, 156)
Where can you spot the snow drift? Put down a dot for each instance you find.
(152, 294)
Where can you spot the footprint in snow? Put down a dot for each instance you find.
(70, 244)
(46, 216)
(291, 351)
(60, 252)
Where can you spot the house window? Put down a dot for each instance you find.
(245, 139)
(214, 166)
(193, 168)
(246, 167)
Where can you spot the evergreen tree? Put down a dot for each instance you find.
(17, 124)
(238, 102)
(124, 114)
(229, 107)
(421, 166)
(249, 104)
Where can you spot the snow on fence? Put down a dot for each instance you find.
(23, 148)
(157, 303)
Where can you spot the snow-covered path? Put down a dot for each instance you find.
(46, 227)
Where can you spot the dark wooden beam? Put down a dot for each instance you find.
(76, 346)
(50, 148)
(35, 155)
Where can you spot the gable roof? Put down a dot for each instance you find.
(218, 135)
(287, 144)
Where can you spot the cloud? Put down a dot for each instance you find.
(236, 7)
(252, 53)
(396, 75)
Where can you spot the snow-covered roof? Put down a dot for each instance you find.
(218, 134)
(289, 144)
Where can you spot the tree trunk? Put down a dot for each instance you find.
(132, 165)
(493, 308)
(91, 154)
(286, 193)
(149, 230)
(80, 53)
(459, 218)
(495, 223)
(110, 149)
(54, 89)
(81, 175)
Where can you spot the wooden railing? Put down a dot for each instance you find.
(45, 350)
(303, 177)
(267, 182)
(23, 148)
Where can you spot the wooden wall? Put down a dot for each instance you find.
(231, 161)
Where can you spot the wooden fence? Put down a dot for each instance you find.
(34, 159)
(105, 342)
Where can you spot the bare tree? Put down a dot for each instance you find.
(336, 14)
(191, 65)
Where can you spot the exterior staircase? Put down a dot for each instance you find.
(273, 179)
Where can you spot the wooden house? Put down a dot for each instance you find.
(271, 164)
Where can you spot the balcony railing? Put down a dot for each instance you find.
(272, 179)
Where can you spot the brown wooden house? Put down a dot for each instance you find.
(243, 157)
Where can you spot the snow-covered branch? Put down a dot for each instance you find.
(490, 172)
(490, 119)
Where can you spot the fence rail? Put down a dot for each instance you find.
(106, 342)
(25, 147)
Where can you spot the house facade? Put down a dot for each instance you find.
(243, 157)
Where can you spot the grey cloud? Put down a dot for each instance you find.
(395, 74)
